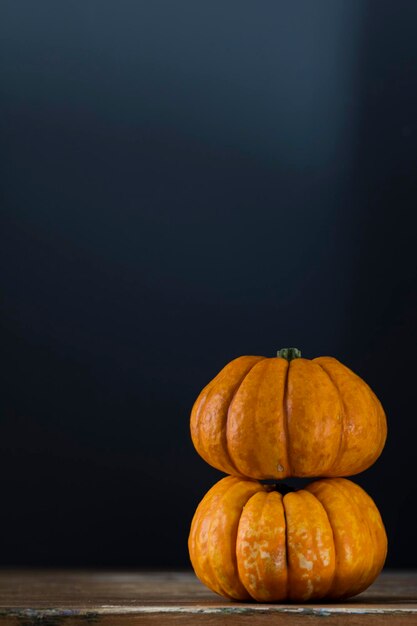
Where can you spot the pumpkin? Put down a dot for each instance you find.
(288, 416)
(249, 541)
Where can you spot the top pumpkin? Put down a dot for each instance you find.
(288, 416)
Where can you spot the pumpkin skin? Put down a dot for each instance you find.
(247, 541)
(273, 418)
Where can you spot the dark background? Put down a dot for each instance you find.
(184, 182)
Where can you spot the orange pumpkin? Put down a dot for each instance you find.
(248, 541)
(288, 416)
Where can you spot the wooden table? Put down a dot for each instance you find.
(57, 598)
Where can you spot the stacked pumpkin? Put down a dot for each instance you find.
(262, 420)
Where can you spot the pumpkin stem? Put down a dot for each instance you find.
(289, 353)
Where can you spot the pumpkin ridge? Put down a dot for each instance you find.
(226, 464)
(286, 427)
(310, 547)
(204, 510)
(342, 418)
(237, 537)
(364, 520)
(374, 405)
(211, 386)
(255, 413)
(202, 401)
(382, 419)
(224, 497)
(233, 464)
(269, 583)
(334, 542)
(209, 553)
(287, 562)
(269, 495)
(198, 411)
(367, 519)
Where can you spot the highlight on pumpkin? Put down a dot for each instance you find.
(249, 541)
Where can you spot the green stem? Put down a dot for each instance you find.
(289, 353)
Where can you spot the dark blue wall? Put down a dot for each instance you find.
(183, 182)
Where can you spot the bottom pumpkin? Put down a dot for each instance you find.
(248, 541)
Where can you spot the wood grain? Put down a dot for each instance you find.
(56, 598)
